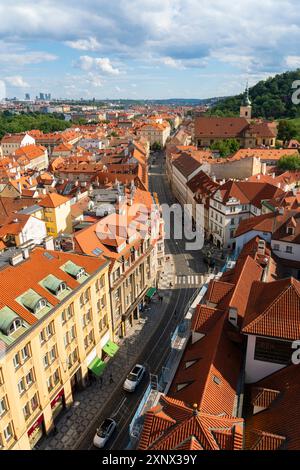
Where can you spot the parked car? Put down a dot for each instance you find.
(134, 378)
(104, 432)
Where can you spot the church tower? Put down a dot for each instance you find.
(246, 106)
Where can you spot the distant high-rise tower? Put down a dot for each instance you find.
(27, 97)
(246, 106)
(42, 96)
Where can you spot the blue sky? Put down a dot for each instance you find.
(145, 48)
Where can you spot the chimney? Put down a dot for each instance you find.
(233, 316)
(19, 187)
(49, 243)
(261, 250)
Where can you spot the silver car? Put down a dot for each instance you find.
(104, 432)
(134, 378)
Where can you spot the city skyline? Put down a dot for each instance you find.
(143, 49)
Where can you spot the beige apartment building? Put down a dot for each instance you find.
(133, 240)
(55, 330)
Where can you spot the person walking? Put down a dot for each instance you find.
(111, 379)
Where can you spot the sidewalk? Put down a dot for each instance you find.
(88, 403)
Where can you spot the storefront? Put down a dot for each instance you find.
(58, 404)
(109, 350)
(36, 432)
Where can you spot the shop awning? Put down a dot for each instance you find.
(97, 366)
(151, 292)
(110, 348)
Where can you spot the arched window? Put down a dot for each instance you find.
(40, 305)
(14, 326)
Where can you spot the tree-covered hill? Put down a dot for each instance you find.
(12, 123)
(271, 98)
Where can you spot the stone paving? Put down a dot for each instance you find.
(88, 403)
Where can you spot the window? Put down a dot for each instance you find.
(21, 386)
(46, 361)
(270, 350)
(52, 354)
(29, 378)
(80, 274)
(72, 333)
(289, 249)
(56, 377)
(25, 353)
(40, 305)
(34, 402)
(8, 432)
(3, 406)
(14, 326)
(276, 248)
(42, 337)
(16, 361)
(232, 222)
(26, 411)
(50, 329)
(217, 380)
(49, 384)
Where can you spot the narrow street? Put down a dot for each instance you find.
(155, 350)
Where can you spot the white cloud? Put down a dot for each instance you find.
(94, 80)
(293, 61)
(26, 58)
(103, 64)
(17, 81)
(90, 44)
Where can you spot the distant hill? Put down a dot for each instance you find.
(271, 98)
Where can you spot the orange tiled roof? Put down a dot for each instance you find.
(173, 425)
(276, 426)
(16, 280)
(274, 310)
(53, 200)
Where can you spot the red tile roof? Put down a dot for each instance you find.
(173, 425)
(277, 426)
(53, 200)
(274, 309)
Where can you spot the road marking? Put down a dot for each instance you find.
(120, 406)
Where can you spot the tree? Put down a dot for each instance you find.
(156, 147)
(289, 162)
(226, 147)
(286, 130)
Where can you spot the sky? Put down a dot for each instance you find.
(145, 49)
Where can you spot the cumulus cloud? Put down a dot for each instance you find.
(90, 44)
(177, 29)
(17, 81)
(103, 64)
(26, 58)
(293, 61)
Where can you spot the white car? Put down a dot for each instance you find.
(134, 378)
(104, 432)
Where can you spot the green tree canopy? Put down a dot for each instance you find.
(226, 147)
(289, 162)
(286, 130)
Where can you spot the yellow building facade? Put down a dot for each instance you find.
(55, 330)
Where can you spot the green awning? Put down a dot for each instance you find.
(97, 366)
(110, 348)
(151, 292)
(7, 316)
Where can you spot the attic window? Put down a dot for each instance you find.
(75, 271)
(190, 363)
(33, 302)
(182, 386)
(54, 285)
(9, 321)
(216, 380)
(290, 231)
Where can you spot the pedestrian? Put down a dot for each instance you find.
(160, 298)
(111, 379)
(175, 313)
